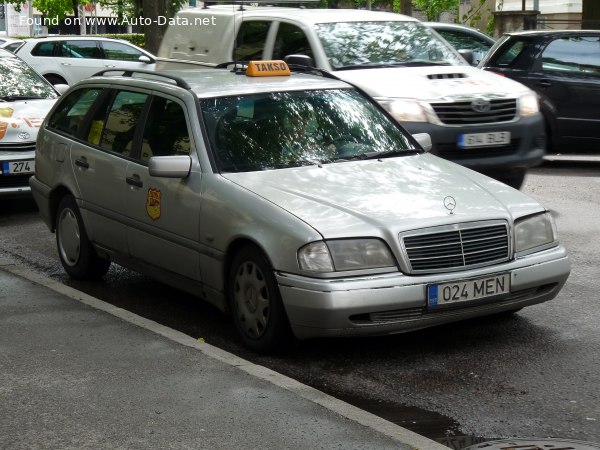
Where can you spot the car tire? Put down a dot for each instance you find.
(76, 253)
(255, 303)
(55, 79)
(513, 177)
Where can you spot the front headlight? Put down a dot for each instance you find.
(528, 104)
(535, 231)
(405, 110)
(345, 254)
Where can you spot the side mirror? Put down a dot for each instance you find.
(145, 59)
(299, 60)
(467, 55)
(424, 140)
(170, 166)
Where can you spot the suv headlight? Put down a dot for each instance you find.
(345, 254)
(405, 110)
(528, 104)
(535, 231)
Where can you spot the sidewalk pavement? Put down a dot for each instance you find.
(79, 373)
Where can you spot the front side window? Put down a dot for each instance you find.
(357, 44)
(250, 42)
(291, 129)
(290, 40)
(18, 81)
(166, 132)
(69, 115)
(114, 129)
(120, 52)
(510, 53)
(573, 54)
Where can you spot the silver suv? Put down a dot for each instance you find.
(293, 201)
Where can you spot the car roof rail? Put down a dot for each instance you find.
(241, 3)
(152, 75)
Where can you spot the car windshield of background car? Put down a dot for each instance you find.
(358, 44)
(290, 129)
(19, 82)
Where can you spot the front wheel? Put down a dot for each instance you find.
(255, 302)
(76, 253)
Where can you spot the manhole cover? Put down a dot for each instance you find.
(534, 444)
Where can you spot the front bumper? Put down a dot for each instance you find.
(395, 303)
(526, 148)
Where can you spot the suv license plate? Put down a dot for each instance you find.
(18, 167)
(469, 290)
(483, 139)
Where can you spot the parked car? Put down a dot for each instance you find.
(10, 44)
(480, 120)
(293, 201)
(68, 59)
(25, 99)
(563, 67)
(465, 39)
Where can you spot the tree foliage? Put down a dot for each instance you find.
(434, 8)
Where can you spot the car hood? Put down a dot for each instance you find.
(21, 120)
(431, 83)
(372, 198)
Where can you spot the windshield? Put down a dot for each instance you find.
(291, 129)
(18, 81)
(356, 44)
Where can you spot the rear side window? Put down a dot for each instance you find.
(70, 113)
(43, 49)
(113, 128)
(79, 49)
(573, 54)
(250, 42)
(120, 52)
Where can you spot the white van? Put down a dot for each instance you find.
(478, 119)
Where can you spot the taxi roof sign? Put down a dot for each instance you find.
(267, 69)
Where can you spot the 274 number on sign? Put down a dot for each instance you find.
(18, 167)
(469, 290)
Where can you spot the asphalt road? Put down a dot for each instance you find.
(533, 374)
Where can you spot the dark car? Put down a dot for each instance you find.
(463, 38)
(563, 67)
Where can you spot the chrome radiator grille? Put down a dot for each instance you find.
(457, 247)
(462, 113)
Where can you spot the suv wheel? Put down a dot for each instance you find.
(77, 255)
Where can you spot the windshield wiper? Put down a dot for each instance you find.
(378, 155)
(12, 98)
(389, 65)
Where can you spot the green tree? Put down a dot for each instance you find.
(433, 8)
(53, 8)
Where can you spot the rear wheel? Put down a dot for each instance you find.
(76, 253)
(255, 302)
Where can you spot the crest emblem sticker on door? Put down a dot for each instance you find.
(153, 203)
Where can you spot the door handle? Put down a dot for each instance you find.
(82, 162)
(65, 64)
(112, 66)
(544, 83)
(134, 180)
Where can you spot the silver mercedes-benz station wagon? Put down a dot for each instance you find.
(291, 201)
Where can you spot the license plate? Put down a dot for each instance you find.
(468, 290)
(484, 139)
(18, 167)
